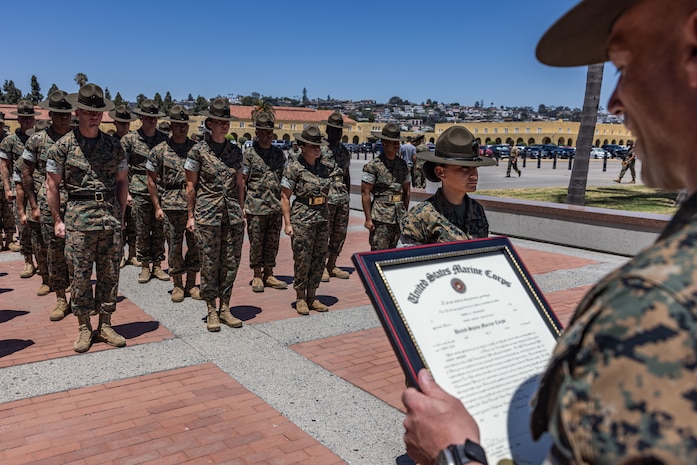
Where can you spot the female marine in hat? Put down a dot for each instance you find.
(215, 197)
(306, 221)
(450, 215)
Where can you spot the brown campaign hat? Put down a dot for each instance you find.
(311, 135)
(580, 37)
(122, 114)
(264, 121)
(335, 120)
(24, 108)
(178, 114)
(2, 117)
(390, 132)
(40, 125)
(90, 97)
(149, 107)
(456, 146)
(219, 109)
(57, 102)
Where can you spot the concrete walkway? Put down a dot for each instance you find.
(284, 389)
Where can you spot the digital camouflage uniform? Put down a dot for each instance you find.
(309, 222)
(93, 227)
(218, 218)
(7, 218)
(150, 236)
(418, 179)
(262, 205)
(12, 148)
(621, 386)
(129, 226)
(436, 220)
(167, 160)
(338, 200)
(387, 205)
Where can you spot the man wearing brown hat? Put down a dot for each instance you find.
(386, 179)
(7, 219)
(34, 179)
(338, 200)
(215, 193)
(94, 168)
(150, 235)
(11, 149)
(167, 187)
(122, 118)
(263, 170)
(619, 387)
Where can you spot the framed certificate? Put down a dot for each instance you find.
(471, 313)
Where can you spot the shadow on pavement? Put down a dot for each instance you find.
(10, 346)
(7, 315)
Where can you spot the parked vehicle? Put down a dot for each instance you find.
(281, 144)
(486, 151)
(597, 152)
(616, 151)
(431, 146)
(531, 151)
(566, 152)
(501, 150)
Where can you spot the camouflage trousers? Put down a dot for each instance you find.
(24, 235)
(264, 232)
(309, 243)
(627, 166)
(7, 218)
(514, 165)
(221, 250)
(175, 231)
(103, 249)
(57, 256)
(384, 236)
(38, 246)
(338, 227)
(150, 233)
(417, 174)
(129, 232)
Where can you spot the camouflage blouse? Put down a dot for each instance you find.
(338, 191)
(263, 180)
(309, 182)
(36, 151)
(621, 385)
(216, 192)
(436, 220)
(167, 160)
(387, 186)
(138, 149)
(11, 148)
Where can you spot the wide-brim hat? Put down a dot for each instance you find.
(24, 108)
(456, 146)
(149, 107)
(122, 114)
(390, 132)
(57, 102)
(311, 135)
(39, 126)
(335, 120)
(2, 117)
(580, 37)
(419, 137)
(178, 114)
(219, 109)
(90, 97)
(264, 121)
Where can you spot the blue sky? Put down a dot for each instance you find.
(450, 51)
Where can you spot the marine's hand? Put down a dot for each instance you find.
(369, 225)
(190, 225)
(434, 420)
(59, 229)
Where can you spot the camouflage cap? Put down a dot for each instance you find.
(24, 108)
(57, 102)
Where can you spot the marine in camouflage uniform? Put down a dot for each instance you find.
(7, 219)
(150, 234)
(166, 175)
(34, 178)
(386, 179)
(307, 220)
(338, 200)
(263, 169)
(11, 149)
(417, 175)
(94, 170)
(214, 198)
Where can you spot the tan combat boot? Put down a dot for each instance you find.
(28, 270)
(300, 304)
(257, 282)
(227, 318)
(190, 289)
(133, 261)
(336, 271)
(84, 338)
(14, 247)
(158, 272)
(106, 333)
(325, 276)
(62, 308)
(144, 275)
(212, 320)
(43, 289)
(271, 281)
(178, 291)
(314, 303)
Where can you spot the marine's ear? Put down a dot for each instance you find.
(691, 40)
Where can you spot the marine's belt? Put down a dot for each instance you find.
(98, 196)
(311, 201)
(139, 170)
(389, 198)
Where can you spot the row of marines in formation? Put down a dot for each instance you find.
(82, 185)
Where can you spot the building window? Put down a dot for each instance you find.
(527, 130)
(505, 130)
(496, 130)
(280, 125)
(539, 130)
(516, 130)
(241, 124)
(486, 130)
(292, 127)
(476, 130)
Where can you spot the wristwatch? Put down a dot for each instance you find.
(459, 454)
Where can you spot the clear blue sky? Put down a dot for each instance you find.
(450, 51)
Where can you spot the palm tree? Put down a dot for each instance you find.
(263, 107)
(579, 175)
(80, 79)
